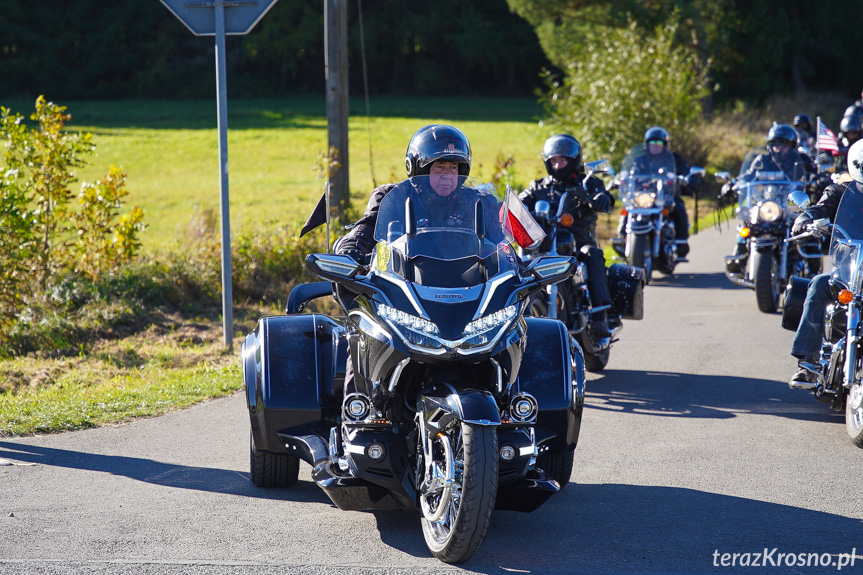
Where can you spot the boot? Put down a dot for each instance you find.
(598, 325)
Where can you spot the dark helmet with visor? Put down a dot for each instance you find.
(656, 133)
(802, 121)
(437, 142)
(851, 124)
(782, 134)
(566, 146)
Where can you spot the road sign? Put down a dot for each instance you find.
(220, 18)
(200, 17)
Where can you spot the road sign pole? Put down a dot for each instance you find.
(222, 109)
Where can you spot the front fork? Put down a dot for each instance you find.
(852, 341)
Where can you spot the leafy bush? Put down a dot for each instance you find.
(626, 81)
(43, 236)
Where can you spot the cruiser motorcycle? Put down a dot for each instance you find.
(648, 185)
(764, 260)
(573, 306)
(840, 367)
(458, 404)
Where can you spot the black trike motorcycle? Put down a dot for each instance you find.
(458, 403)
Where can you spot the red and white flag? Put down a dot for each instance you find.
(519, 223)
(826, 139)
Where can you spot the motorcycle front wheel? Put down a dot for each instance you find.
(854, 414)
(640, 256)
(456, 517)
(767, 287)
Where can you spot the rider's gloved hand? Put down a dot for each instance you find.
(800, 224)
(601, 202)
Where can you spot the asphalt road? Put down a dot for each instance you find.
(692, 447)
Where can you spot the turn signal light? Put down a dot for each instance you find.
(566, 220)
(664, 212)
(744, 232)
(845, 296)
(623, 212)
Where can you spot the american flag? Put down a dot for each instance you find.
(826, 138)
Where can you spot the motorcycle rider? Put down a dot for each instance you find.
(656, 142)
(803, 124)
(562, 156)
(441, 152)
(850, 131)
(437, 150)
(807, 340)
(782, 155)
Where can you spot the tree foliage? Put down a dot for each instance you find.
(757, 48)
(626, 81)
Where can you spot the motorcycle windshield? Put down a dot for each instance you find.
(763, 164)
(647, 177)
(767, 176)
(447, 250)
(846, 243)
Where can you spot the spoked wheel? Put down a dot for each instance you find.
(767, 282)
(640, 255)
(458, 498)
(854, 414)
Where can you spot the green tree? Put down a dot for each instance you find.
(625, 81)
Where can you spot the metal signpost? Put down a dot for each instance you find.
(221, 18)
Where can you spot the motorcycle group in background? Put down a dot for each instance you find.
(425, 393)
(800, 247)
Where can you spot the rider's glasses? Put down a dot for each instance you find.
(655, 142)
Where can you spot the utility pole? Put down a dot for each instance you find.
(336, 73)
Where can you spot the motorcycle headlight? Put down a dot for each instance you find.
(644, 200)
(769, 211)
(415, 329)
(480, 331)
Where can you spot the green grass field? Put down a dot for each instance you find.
(170, 151)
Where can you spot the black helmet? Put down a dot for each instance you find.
(437, 142)
(802, 119)
(656, 133)
(851, 124)
(853, 110)
(566, 146)
(782, 133)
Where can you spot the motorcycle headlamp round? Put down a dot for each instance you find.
(644, 200)
(357, 407)
(769, 211)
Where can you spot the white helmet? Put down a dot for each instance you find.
(855, 161)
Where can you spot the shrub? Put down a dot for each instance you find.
(626, 81)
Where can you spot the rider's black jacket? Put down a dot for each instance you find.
(828, 204)
(550, 190)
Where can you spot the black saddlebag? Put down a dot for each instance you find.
(291, 365)
(795, 296)
(552, 370)
(626, 285)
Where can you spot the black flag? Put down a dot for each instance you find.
(318, 217)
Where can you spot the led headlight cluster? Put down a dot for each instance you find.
(491, 321)
(407, 320)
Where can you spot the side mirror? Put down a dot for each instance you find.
(799, 200)
(542, 209)
(722, 176)
(552, 269)
(598, 167)
(696, 171)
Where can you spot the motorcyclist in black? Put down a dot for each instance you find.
(562, 155)
(438, 148)
(803, 125)
(655, 141)
(850, 131)
(807, 341)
